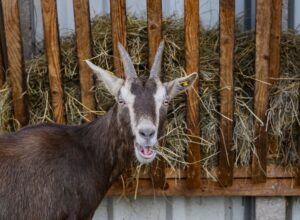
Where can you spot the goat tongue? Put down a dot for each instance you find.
(147, 150)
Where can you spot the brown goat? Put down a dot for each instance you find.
(54, 171)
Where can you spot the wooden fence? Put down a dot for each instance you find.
(259, 179)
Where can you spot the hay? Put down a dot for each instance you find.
(284, 99)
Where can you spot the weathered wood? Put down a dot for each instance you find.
(298, 149)
(17, 74)
(154, 16)
(275, 36)
(227, 12)
(273, 171)
(118, 26)
(191, 20)
(27, 27)
(3, 63)
(240, 187)
(83, 40)
(51, 44)
(2, 69)
(263, 24)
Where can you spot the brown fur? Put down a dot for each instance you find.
(62, 172)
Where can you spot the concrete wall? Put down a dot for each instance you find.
(199, 208)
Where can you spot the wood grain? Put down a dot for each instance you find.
(275, 37)
(83, 40)
(263, 24)
(191, 20)
(17, 73)
(240, 187)
(298, 148)
(51, 44)
(118, 25)
(227, 17)
(2, 69)
(154, 17)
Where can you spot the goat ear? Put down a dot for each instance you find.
(112, 83)
(180, 85)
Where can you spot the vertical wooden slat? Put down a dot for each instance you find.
(2, 70)
(297, 182)
(263, 24)
(118, 25)
(17, 74)
(154, 16)
(191, 20)
(51, 43)
(227, 16)
(275, 36)
(83, 39)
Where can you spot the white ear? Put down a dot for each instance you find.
(180, 85)
(112, 83)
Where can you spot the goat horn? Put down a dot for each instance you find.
(156, 66)
(128, 66)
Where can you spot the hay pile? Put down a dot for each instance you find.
(282, 115)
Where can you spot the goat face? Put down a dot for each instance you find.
(142, 104)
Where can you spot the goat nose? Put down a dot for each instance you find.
(147, 132)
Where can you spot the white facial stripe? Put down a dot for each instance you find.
(129, 98)
(159, 98)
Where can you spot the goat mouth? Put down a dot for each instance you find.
(145, 154)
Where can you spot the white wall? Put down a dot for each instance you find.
(209, 12)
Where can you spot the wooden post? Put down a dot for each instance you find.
(297, 182)
(27, 27)
(227, 16)
(83, 40)
(191, 20)
(263, 25)
(118, 25)
(12, 29)
(2, 69)
(154, 16)
(275, 37)
(51, 44)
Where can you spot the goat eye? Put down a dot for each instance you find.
(121, 101)
(166, 101)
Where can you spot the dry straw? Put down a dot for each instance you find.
(284, 101)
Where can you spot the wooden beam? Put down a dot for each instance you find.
(226, 163)
(17, 74)
(118, 25)
(84, 51)
(240, 187)
(154, 16)
(191, 21)
(273, 171)
(263, 24)
(51, 44)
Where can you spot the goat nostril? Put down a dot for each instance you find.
(147, 133)
(142, 133)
